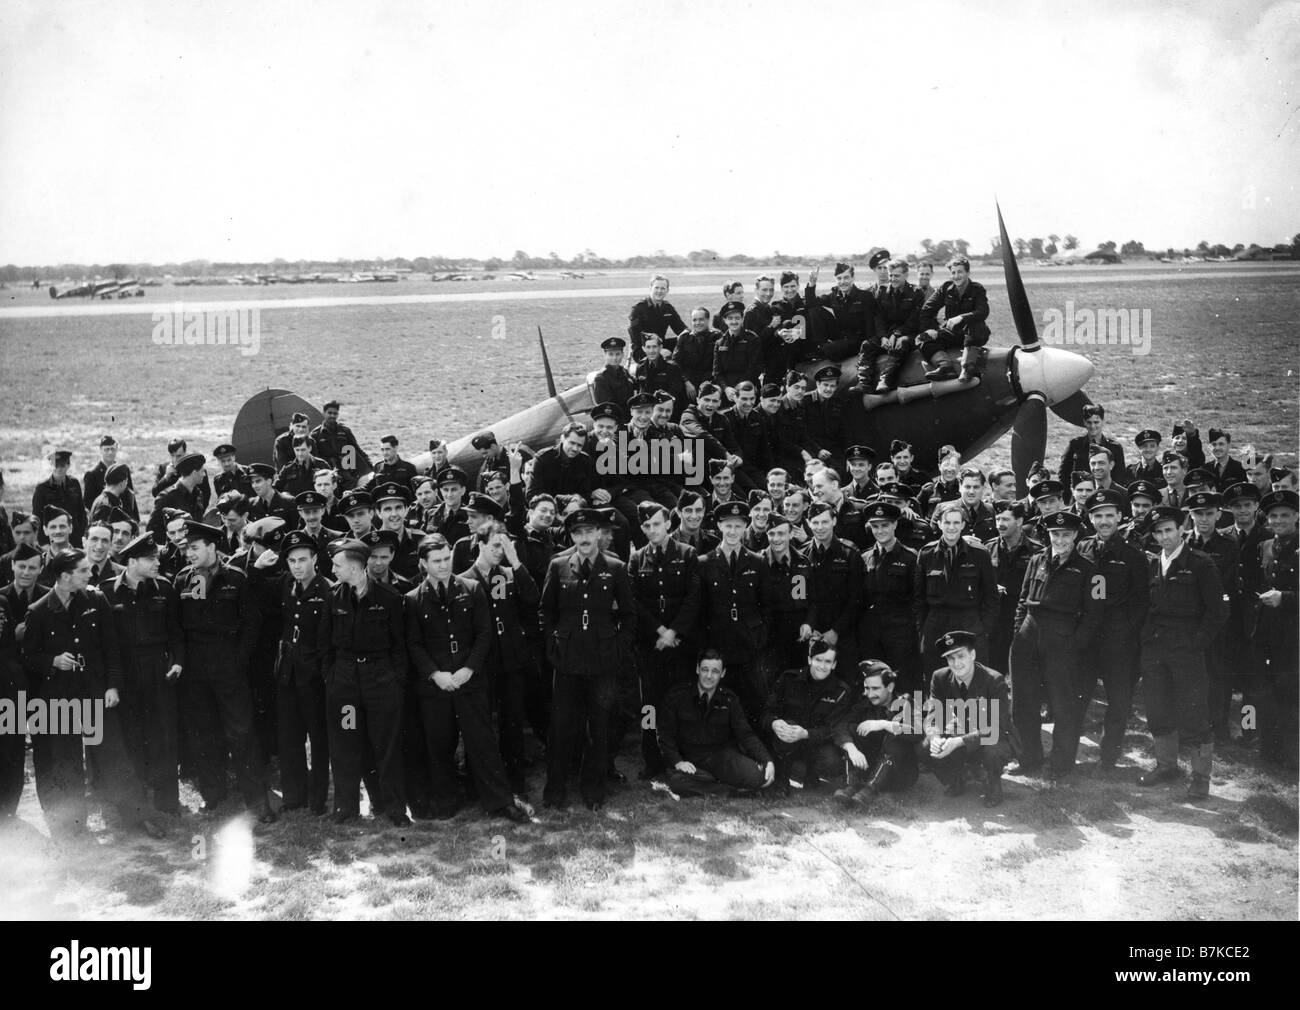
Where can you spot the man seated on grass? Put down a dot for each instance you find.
(963, 731)
(802, 715)
(706, 740)
(878, 738)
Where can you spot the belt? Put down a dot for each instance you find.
(359, 657)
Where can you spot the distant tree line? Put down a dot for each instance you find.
(588, 259)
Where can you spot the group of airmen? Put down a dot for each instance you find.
(781, 626)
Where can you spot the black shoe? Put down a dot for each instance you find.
(993, 793)
(1109, 756)
(343, 817)
(1199, 787)
(398, 819)
(446, 813)
(317, 811)
(1031, 768)
(957, 787)
(512, 813)
(210, 808)
(1156, 775)
(267, 815)
(616, 776)
(846, 795)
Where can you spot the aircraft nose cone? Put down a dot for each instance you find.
(1057, 374)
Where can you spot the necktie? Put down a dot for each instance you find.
(962, 688)
(947, 562)
(585, 570)
(442, 595)
(732, 564)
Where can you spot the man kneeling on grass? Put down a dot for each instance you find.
(968, 702)
(706, 739)
(878, 738)
(803, 714)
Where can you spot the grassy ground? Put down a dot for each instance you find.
(1222, 352)
(1097, 848)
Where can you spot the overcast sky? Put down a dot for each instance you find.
(141, 130)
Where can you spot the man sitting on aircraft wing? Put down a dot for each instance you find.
(965, 305)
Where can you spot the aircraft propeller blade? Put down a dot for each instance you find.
(1070, 409)
(1023, 315)
(546, 364)
(1028, 438)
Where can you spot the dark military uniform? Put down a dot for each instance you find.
(702, 542)
(338, 446)
(972, 331)
(1224, 552)
(147, 621)
(220, 621)
(737, 359)
(449, 627)
(956, 594)
(662, 375)
(647, 317)
(67, 496)
(280, 506)
(1123, 571)
(824, 424)
(819, 706)
(712, 733)
(192, 503)
(300, 695)
(897, 317)
(554, 473)
(588, 641)
(1188, 608)
(750, 434)
(666, 584)
(240, 479)
(613, 384)
(788, 604)
(695, 356)
(887, 627)
(851, 524)
(512, 598)
(1276, 565)
(984, 753)
(891, 757)
(104, 503)
(835, 583)
(735, 620)
(715, 429)
(1009, 568)
(1075, 459)
(85, 628)
(400, 471)
(787, 438)
(13, 680)
(852, 322)
(264, 585)
(92, 486)
(294, 478)
(1057, 621)
(365, 671)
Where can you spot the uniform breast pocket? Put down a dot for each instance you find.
(968, 583)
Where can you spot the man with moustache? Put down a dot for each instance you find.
(877, 738)
(587, 642)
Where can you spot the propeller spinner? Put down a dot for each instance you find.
(1047, 376)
